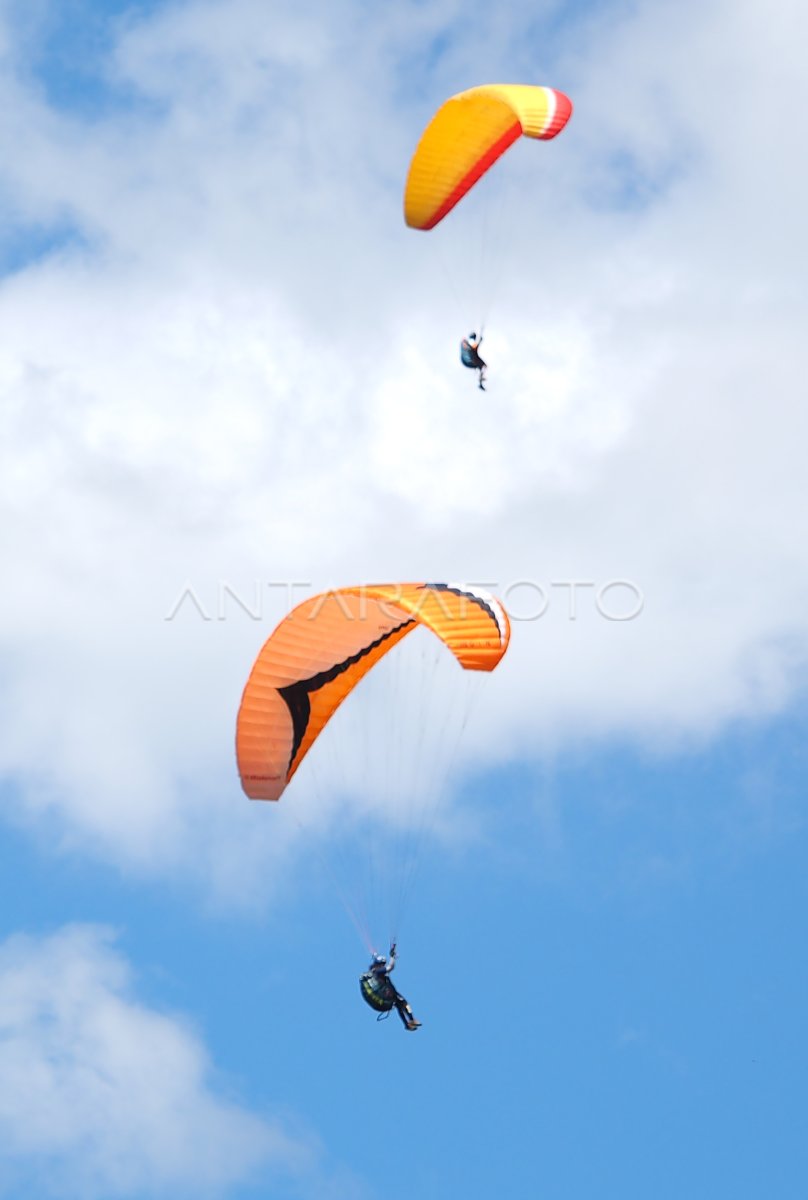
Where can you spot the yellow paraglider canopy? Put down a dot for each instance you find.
(467, 135)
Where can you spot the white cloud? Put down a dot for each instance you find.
(251, 374)
(102, 1096)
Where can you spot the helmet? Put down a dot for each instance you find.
(472, 337)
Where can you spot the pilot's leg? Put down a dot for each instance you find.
(405, 1012)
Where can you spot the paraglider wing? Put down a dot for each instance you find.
(327, 644)
(467, 135)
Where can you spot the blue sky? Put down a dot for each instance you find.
(626, 1019)
(226, 366)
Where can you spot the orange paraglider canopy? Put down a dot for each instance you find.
(326, 645)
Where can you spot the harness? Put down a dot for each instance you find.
(378, 993)
(469, 356)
